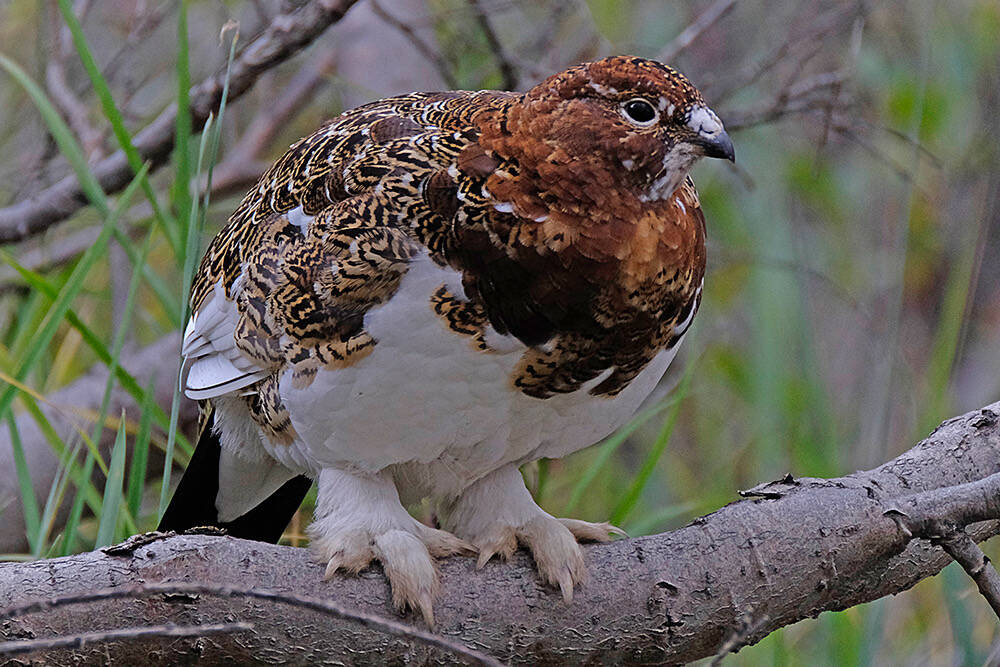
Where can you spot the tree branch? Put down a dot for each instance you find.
(284, 37)
(682, 41)
(791, 550)
(941, 516)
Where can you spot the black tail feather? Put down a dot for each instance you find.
(193, 503)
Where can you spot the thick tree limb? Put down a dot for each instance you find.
(793, 549)
(284, 37)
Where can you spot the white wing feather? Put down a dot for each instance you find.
(216, 365)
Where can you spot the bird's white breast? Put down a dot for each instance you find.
(427, 397)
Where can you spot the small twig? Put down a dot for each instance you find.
(332, 609)
(431, 54)
(777, 109)
(746, 626)
(70, 106)
(941, 515)
(977, 565)
(958, 505)
(80, 640)
(142, 23)
(787, 51)
(687, 36)
(507, 70)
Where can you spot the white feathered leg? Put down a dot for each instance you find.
(359, 519)
(497, 512)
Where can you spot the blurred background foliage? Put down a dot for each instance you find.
(851, 303)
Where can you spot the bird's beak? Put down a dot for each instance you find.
(709, 133)
(719, 145)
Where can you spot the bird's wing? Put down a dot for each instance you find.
(325, 235)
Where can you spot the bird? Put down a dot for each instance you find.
(431, 291)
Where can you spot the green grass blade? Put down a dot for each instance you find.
(68, 544)
(947, 338)
(111, 505)
(210, 137)
(29, 504)
(119, 341)
(140, 455)
(42, 287)
(29, 315)
(56, 313)
(651, 521)
(157, 284)
(113, 115)
(181, 193)
(53, 502)
(608, 449)
(631, 497)
(191, 245)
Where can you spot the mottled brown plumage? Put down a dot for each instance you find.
(565, 215)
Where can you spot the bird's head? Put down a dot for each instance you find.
(620, 120)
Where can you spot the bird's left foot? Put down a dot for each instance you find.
(359, 519)
(498, 513)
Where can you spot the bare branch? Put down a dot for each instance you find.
(976, 564)
(83, 639)
(738, 637)
(423, 48)
(941, 515)
(284, 37)
(71, 107)
(507, 70)
(331, 609)
(799, 547)
(687, 36)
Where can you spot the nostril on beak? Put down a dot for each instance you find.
(719, 145)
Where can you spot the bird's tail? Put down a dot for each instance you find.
(197, 499)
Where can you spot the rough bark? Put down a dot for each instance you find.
(789, 550)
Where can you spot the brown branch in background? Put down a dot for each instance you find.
(243, 165)
(284, 37)
(817, 93)
(83, 639)
(423, 48)
(143, 21)
(507, 71)
(793, 50)
(325, 607)
(976, 564)
(687, 36)
(240, 170)
(70, 106)
(796, 548)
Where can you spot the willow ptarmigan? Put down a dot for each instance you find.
(432, 290)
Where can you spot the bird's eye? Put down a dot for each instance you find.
(639, 112)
